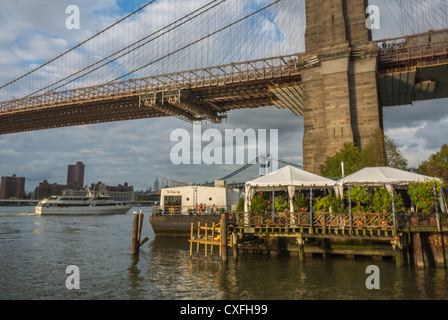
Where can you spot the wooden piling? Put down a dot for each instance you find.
(140, 225)
(137, 233)
(300, 247)
(224, 253)
(191, 238)
(235, 244)
(135, 243)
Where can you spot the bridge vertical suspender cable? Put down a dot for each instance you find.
(78, 45)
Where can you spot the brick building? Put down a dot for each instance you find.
(75, 174)
(12, 187)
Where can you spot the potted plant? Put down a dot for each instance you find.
(360, 197)
(382, 201)
(301, 203)
(240, 205)
(422, 194)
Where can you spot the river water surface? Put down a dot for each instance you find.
(36, 250)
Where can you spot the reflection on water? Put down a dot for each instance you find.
(36, 251)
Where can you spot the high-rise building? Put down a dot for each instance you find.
(156, 185)
(75, 174)
(12, 187)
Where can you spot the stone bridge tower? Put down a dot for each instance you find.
(339, 79)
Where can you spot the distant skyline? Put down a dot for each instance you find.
(138, 151)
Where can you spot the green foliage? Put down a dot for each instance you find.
(374, 154)
(281, 204)
(437, 165)
(321, 205)
(381, 151)
(422, 194)
(301, 203)
(335, 203)
(240, 205)
(360, 197)
(382, 201)
(258, 204)
(330, 202)
(395, 158)
(350, 155)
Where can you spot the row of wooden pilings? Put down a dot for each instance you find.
(221, 240)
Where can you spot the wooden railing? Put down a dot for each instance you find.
(318, 219)
(327, 221)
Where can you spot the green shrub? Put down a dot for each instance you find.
(382, 201)
(258, 204)
(301, 203)
(360, 197)
(422, 194)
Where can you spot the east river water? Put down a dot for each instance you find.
(36, 250)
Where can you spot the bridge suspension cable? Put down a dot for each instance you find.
(78, 45)
(417, 16)
(155, 40)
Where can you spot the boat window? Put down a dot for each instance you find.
(101, 198)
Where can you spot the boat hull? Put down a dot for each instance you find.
(179, 225)
(93, 210)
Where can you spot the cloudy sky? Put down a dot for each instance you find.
(138, 151)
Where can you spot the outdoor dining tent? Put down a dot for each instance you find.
(288, 179)
(387, 177)
(383, 176)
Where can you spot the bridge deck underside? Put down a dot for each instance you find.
(403, 87)
(218, 99)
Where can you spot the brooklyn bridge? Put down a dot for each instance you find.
(339, 84)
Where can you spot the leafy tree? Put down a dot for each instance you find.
(381, 151)
(350, 155)
(437, 165)
(395, 158)
(374, 154)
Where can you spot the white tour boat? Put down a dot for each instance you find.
(81, 205)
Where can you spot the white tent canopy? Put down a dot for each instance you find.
(386, 177)
(287, 178)
(381, 176)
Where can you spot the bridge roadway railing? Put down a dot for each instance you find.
(234, 73)
(432, 46)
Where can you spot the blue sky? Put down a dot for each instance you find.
(138, 151)
(130, 6)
